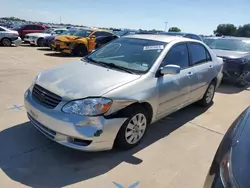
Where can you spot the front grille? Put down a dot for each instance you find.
(45, 97)
(45, 130)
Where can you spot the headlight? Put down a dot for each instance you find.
(34, 82)
(226, 173)
(88, 106)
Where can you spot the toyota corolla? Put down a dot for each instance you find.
(110, 96)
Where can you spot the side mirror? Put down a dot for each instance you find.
(170, 69)
(247, 77)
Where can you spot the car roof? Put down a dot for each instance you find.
(159, 37)
(178, 33)
(235, 38)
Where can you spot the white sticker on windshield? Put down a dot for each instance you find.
(156, 47)
(246, 41)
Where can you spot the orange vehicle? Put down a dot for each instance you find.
(80, 43)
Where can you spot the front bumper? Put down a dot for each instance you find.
(62, 128)
(61, 47)
(31, 40)
(17, 42)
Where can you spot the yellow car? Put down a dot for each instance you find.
(80, 43)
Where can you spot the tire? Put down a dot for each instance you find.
(241, 82)
(131, 133)
(6, 42)
(208, 97)
(81, 50)
(40, 42)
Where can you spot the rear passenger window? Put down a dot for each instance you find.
(177, 55)
(28, 27)
(198, 54)
(37, 27)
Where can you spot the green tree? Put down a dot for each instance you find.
(226, 29)
(174, 29)
(244, 31)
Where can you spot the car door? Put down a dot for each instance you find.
(38, 29)
(27, 29)
(174, 90)
(202, 64)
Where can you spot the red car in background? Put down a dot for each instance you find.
(29, 28)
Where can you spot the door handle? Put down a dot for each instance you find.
(210, 66)
(190, 74)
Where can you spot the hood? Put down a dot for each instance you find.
(67, 38)
(81, 79)
(38, 34)
(12, 31)
(230, 54)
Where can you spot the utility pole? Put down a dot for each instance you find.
(166, 24)
(60, 19)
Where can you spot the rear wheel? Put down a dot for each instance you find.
(40, 42)
(6, 42)
(208, 96)
(81, 50)
(133, 130)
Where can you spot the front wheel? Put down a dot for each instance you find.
(40, 42)
(208, 97)
(6, 42)
(242, 81)
(80, 50)
(133, 130)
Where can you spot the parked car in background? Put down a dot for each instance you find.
(37, 39)
(209, 40)
(49, 40)
(235, 51)
(110, 96)
(231, 164)
(187, 35)
(81, 43)
(100, 41)
(29, 28)
(8, 37)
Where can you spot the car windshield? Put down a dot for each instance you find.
(122, 32)
(82, 33)
(231, 45)
(17, 26)
(208, 41)
(69, 32)
(136, 55)
(48, 30)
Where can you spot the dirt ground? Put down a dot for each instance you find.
(176, 152)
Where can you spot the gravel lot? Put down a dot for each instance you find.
(176, 152)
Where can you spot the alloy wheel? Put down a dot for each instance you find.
(136, 128)
(210, 93)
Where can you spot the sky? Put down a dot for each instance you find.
(196, 16)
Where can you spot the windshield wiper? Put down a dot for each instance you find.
(97, 62)
(112, 65)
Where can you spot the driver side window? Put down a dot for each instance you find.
(177, 55)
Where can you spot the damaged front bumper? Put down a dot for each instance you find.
(74, 131)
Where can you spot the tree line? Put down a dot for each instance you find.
(232, 30)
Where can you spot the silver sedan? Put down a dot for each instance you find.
(111, 96)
